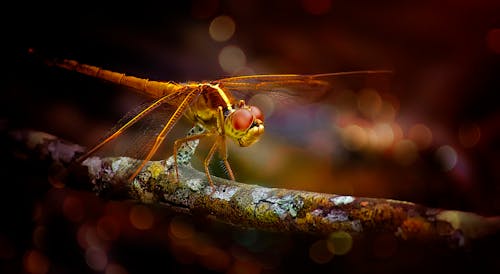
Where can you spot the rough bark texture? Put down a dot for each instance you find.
(251, 205)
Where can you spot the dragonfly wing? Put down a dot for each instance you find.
(295, 88)
(137, 140)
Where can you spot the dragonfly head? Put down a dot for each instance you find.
(244, 124)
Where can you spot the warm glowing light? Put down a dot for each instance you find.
(372, 139)
(317, 7)
(319, 252)
(339, 242)
(108, 228)
(181, 228)
(447, 156)
(96, 258)
(354, 137)
(73, 209)
(493, 40)
(421, 135)
(141, 217)
(405, 152)
(232, 58)
(384, 135)
(369, 102)
(469, 135)
(222, 28)
(397, 130)
(114, 268)
(35, 262)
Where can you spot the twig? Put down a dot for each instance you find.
(254, 206)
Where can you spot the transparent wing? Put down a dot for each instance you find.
(137, 140)
(294, 88)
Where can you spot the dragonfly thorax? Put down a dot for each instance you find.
(244, 124)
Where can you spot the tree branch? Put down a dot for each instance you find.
(252, 206)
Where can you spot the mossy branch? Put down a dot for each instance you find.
(254, 206)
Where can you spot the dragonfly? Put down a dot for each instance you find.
(216, 108)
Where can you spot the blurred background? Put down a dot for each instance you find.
(427, 133)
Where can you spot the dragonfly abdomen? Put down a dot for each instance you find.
(154, 89)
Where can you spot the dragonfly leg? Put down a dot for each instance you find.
(222, 145)
(223, 153)
(209, 157)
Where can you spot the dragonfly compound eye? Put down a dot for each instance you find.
(242, 119)
(257, 113)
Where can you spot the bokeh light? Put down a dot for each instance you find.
(319, 252)
(222, 28)
(339, 242)
(384, 135)
(421, 135)
(447, 156)
(141, 217)
(354, 137)
(232, 58)
(96, 258)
